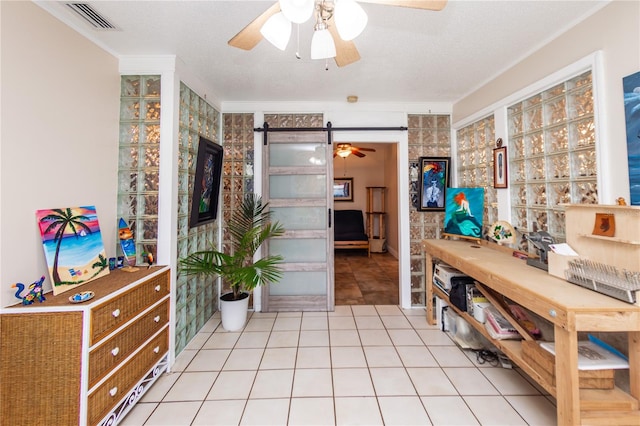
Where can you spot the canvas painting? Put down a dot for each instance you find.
(73, 246)
(434, 179)
(631, 87)
(464, 209)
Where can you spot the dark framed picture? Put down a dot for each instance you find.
(343, 189)
(206, 185)
(500, 167)
(434, 180)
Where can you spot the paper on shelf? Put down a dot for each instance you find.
(592, 356)
(563, 249)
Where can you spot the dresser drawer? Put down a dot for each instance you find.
(107, 317)
(107, 395)
(113, 351)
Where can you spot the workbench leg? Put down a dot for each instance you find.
(567, 386)
(634, 364)
(431, 320)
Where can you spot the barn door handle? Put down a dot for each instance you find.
(329, 218)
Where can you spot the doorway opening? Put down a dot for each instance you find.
(360, 279)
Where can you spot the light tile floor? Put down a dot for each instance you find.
(359, 365)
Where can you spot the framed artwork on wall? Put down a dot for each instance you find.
(343, 189)
(631, 87)
(206, 185)
(434, 179)
(500, 167)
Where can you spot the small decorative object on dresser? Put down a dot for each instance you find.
(128, 245)
(35, 292)
(249, 227)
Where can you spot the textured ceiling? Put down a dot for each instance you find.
(407, 55)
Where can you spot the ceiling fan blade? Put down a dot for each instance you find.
(346, 51)
(413, 4)
(357, 153)
(250, 35)
(364, 149)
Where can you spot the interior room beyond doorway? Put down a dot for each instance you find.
(363, 280)
(360, 280)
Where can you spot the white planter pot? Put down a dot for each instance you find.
(234, 312)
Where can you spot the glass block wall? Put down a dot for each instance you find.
(139, 159)
(237, 168)
(429, 135)
(474, 165)
(552, 155)
(196, 296)
(294, 120)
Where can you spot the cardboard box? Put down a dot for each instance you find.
(558, 263)
(544, 363)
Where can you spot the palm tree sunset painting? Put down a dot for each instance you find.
(72, 245)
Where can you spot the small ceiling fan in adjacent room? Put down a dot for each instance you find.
(336, 24)
(345, 149)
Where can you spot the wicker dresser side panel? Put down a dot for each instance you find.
(40, 356)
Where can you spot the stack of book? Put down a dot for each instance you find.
(497, 325)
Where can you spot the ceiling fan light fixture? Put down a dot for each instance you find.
(297, 11)
(351, 19)
(277, 30)
(322, 45)
(344, 153)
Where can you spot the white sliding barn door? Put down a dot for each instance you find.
(298, 184)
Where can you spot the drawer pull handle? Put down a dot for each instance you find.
(116, 313)
(113, 391)
(115, 351)
(156, 318)
(157, 288)
(156, 349)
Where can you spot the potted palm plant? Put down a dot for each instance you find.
(249, 227)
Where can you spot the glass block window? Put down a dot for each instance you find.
(552, 155)
(429, 135)
(474, 163)
(139, 159)
(196, 296)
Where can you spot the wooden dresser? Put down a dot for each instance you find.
(86, 363)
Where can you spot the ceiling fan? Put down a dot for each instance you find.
(337, 23)
(345, 149)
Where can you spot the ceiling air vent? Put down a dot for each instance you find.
(89, 14)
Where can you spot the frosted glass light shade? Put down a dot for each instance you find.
(322, 45)
(297, 11)
(277, 30)
(350, 19)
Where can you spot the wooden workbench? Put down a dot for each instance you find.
(569, 308)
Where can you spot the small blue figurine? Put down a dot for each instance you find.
(35, 292)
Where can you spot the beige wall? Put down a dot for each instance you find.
(59, 135)
(614, 30)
